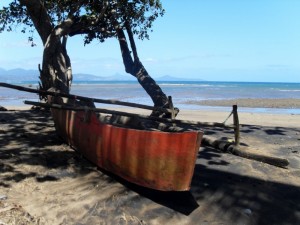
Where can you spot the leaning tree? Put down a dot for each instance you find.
(55, 21)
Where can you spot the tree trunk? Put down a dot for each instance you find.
(136, 68)
(56, 67)
(56, 70)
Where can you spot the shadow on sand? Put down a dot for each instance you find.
(219, 190)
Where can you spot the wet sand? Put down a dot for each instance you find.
(44, 181)
(286, 103)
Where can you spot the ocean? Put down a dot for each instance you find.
(182, 93)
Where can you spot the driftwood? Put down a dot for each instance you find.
(244, 152)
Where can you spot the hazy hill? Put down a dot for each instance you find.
(91, 77)
(18, 75)
(22, 75)
(171, 78)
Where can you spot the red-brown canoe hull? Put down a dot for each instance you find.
(158, 160)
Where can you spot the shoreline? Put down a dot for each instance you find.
(277, 103)
(249, 118)
(250, 105)
(261, 119)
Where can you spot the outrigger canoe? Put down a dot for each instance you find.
(154, 159)
(141, 150)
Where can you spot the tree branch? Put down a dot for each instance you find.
(132, 42)
(102, 13)
(40, 18)
(84, 24)
(127, 59)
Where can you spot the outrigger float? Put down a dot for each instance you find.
(152, 152)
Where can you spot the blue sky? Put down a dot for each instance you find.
(217, 40)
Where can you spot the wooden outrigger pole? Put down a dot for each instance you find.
(138, 151)
(224, 146)
(109, 111)
(86, 99)
(105, 101)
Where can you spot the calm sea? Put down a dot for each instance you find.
(181, 92)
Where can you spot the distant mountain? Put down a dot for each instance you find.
(167, 78)
(85, 77)
(91, 77)
(19, 75)
(171, 78)
(23, 75)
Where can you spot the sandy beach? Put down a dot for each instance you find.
(288, 103)
(44, 181)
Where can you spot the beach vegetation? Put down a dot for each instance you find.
(96, 20)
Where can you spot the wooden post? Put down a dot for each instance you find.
(171, 107)
(236, 125)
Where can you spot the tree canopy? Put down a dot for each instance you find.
(96, 19)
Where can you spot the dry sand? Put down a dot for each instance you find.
(43, 181)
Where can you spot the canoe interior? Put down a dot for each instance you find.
(149, 154)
